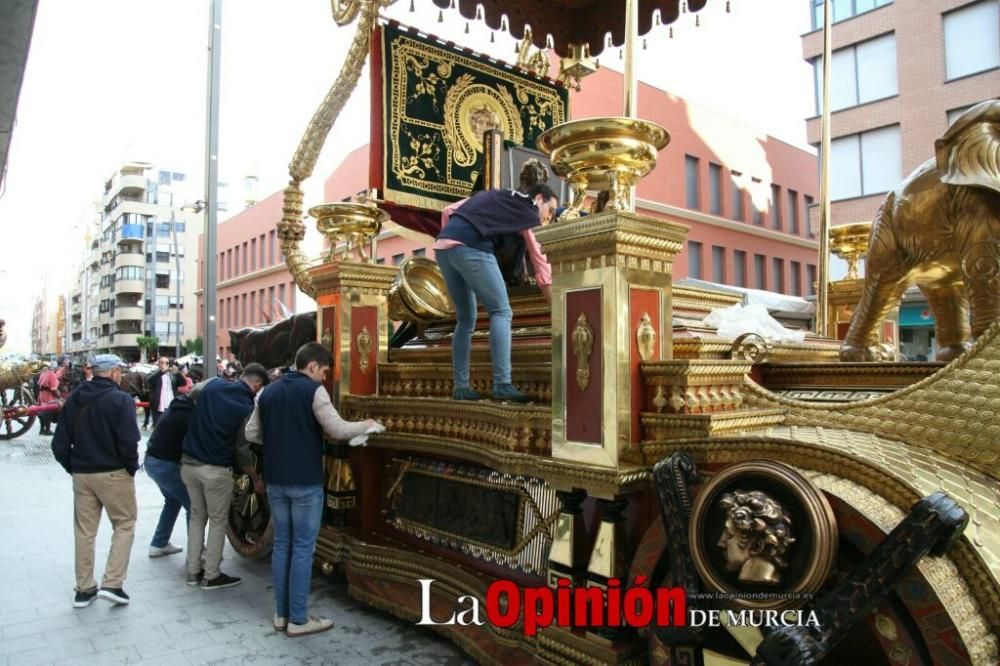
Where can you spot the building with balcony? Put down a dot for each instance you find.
(902, 71)
(136, 275)
(48, 322)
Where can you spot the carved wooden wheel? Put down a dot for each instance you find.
(250, 529)
(18, 425)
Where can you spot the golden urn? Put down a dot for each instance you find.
(419, 293)
(850, 243)
(353, 224)
(603, 154)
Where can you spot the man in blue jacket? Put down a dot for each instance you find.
(97, 442)
(290, 419)
(209, 453)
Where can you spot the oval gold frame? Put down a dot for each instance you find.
(822, 523)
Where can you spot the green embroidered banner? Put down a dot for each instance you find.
(436, 103)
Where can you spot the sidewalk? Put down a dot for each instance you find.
(167, 622)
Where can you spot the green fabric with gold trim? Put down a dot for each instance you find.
(437, 102)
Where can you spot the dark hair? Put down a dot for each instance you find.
(533, 172)
(543, 189)
(257, 371)
(313, 351)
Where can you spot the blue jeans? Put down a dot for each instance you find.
(470, 274)
(167, 476)
(296, 512)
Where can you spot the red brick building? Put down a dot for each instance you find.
(254, 285)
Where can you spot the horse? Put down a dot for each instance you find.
(136, 384)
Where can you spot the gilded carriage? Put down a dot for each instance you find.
(17, 401)
(751, 477)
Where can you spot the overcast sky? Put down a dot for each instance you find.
(109, 81)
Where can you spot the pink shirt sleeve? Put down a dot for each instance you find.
(447, 243)
(543, 272)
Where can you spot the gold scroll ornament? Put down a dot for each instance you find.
(364, 346)
(645, 337)
(583, 346)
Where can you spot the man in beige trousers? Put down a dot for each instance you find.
(96, 440)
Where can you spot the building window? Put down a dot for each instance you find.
(718, 264)
(737, 194)
(755, 213)
(796, 277)
(270, 248)
(694, 260)
(281, 295)
(270, 301)
(162, 281)
(263, 245)
(253, 254)
(862, 73)
(759, 274)
(715, 188)
(420, 252)
(778, 266)
(691, 166)
(810, 279)
(397, 259)
(793, 212)
(972, 39)
(776, 207)
(843, 9)
(955, 113)
(740, 268)
(236, 253)
(808, 203)
(380, 261)
(865, 164)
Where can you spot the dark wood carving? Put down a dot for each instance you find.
(932, 526)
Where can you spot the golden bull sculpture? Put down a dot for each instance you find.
(939, 229)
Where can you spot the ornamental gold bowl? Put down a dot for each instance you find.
(352, 222)
(603, 154)
(419, 293)
(850, 243)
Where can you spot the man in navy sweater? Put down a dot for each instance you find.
(210, 450)
(97, 442)
(290, 419)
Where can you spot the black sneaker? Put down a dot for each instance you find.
(220, 581)
(84, 599)
(507, 393)
(115, 594)
(465, 394)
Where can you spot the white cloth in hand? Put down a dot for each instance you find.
(362, 439)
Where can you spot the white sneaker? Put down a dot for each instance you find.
(313, 626)
(280, 623)
(169, 549)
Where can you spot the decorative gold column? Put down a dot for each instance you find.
(611, 310)
(353, 322)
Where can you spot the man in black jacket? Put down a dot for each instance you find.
(163, 388)
(163, 465)
(97, 442)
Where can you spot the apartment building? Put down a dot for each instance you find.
(136, 276)
(902, 71)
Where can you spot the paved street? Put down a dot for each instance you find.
(167, 622)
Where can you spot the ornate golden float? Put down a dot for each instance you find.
(656, 453)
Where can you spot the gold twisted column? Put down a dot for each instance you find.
(291, 229)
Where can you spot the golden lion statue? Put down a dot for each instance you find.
(939, 229)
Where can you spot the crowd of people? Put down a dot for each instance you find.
(201, 433)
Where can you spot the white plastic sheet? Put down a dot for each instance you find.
(734, 321)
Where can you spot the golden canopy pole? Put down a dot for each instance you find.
(822, 298)
(631, 109)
